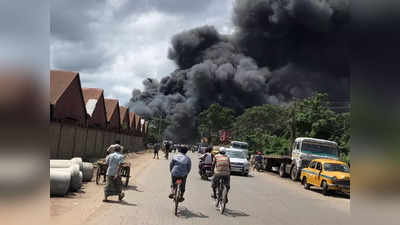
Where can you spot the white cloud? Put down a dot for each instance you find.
(117, 53)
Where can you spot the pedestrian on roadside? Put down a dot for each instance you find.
(167, 149)
(156, 149)
(114, 183)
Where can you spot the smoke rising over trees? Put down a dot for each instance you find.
(280, 50)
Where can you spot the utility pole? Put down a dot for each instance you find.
(159, 128)
(293, 123)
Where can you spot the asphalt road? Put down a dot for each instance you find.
(261, 198)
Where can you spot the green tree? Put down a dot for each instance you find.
(156, 128)
(214, 119)
(314, 118)
(263, 127)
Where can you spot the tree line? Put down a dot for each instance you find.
(271, 128)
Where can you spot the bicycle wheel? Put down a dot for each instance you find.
(219, 196)
(223, 201)
(176, 197)
(98, 174)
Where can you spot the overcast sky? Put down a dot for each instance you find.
(115, 44)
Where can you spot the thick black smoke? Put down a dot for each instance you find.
(281, 49)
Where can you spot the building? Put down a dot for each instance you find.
(66, 99)
(132, 123)
(113, 114)
(95, 107)
(138, 129)
(124, 117)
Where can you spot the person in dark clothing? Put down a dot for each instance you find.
(258, 157)
(167, 149)
(156, 149)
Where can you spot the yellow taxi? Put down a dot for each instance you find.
(329, 174)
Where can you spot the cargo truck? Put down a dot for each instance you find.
(303, 150)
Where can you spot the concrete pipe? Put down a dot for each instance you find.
(59, 181)
(80, 178)
(76, 181)
(60, 163)
(78, 161)
(87, 171)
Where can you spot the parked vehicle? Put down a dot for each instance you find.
(330, 175)
(303, 151)
(240, 146)
(239, 161)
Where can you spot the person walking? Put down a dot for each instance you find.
(117, 144)
(167, 149)
(156, 149)
(114, 183)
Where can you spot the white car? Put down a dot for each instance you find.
(238, 160)
(242, 146)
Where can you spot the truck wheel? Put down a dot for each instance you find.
(282, 170)
(324, 186)
(293, 173)
(306, 185)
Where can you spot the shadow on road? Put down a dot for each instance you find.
(234, 213)
(120, 203)
(186, 213)
(133, 188)
(71, 194)
(331, 194)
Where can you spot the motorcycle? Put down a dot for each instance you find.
(258, 166)
(205, 171)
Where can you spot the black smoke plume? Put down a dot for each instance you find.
(281, 49)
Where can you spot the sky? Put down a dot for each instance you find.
(116, 44)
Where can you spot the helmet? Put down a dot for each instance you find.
(258, 153)
(183, 150)
(222, 151)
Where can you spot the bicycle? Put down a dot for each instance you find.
(177, 194)
(222, 195)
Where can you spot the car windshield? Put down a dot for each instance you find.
(239, 145)
(336, 167)
(235, 154)
(319, 149)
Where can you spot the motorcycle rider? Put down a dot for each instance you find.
(258, 159)
(222, 170)
(206, 159)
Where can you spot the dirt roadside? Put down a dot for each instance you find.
(75, 208)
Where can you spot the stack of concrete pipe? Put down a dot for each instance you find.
(68, 175)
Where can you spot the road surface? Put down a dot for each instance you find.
(261, 198)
